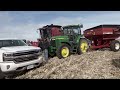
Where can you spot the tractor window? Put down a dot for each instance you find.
(65, 31)
(76, 30)
(68, 31)
(71, 31)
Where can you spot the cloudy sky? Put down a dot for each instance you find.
(24, 24)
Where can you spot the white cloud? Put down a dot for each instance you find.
(28, 30)
(5, 19)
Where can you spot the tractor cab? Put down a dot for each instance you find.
(72, 31)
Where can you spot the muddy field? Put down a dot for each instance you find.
(91, 65)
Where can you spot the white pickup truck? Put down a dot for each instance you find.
(16, 55)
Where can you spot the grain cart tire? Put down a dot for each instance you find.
(63, 51)
(83, 46)
(115, 45)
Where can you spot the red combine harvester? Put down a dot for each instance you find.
(104, 36)
(46, 32)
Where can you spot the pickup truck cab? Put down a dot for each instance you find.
(16, 55)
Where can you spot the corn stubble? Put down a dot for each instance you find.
(91, 65)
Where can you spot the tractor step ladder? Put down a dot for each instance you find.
(74, 44)
(74, 50)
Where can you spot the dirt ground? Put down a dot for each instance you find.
(91, 65)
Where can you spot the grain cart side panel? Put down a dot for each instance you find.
(91, 33)
(107, 30)
(101, 36)
(110, 33)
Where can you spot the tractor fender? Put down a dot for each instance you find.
(89, 42)
(83, 38)
(80, 39)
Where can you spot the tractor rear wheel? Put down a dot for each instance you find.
(83, 46)
(63, 51)
(115, 45)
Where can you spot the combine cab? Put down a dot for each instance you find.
(49, 31)
(46, 33)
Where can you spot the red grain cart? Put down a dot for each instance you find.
(104, 36)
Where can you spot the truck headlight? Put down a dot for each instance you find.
(7, 54)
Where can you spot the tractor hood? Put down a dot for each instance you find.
(60, 37)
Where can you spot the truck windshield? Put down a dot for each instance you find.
(10, 43)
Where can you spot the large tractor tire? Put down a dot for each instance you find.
(115, 45)
(83, 46)
(63, 51)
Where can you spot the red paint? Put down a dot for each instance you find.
(102, 35)
(55, 31)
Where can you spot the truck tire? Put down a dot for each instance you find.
(115, 45)
(83, 46)
(2, 76)
(63, 51)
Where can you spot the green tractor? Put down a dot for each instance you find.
(68, 42)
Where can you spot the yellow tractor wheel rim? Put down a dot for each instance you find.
(84, 47)
(65, 52)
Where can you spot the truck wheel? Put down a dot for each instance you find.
(115, 45)
(63, 51)
(83, 46)
(2, 76)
